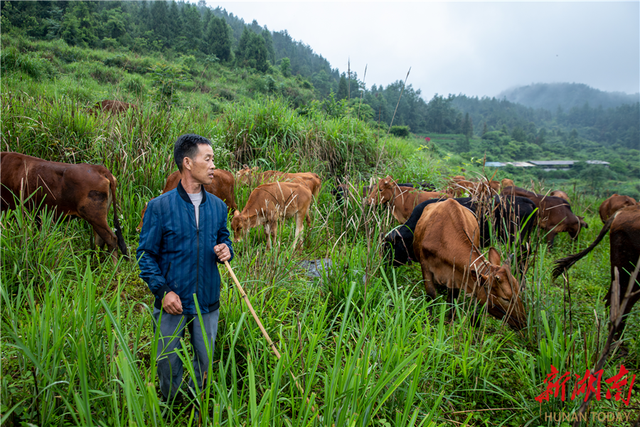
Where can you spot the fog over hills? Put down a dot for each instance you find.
(565, 95)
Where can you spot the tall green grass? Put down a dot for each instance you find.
(363, 341)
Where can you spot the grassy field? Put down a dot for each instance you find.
(365, 344)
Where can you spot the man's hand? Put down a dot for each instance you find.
(222, 251)
(171, 303)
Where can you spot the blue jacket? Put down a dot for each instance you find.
(175, 255)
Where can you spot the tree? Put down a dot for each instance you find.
(217, 39)
(268, 42)
(251, 51)
(191, 36)
(342, 88)
(285, 67)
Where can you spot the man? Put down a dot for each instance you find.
(183, 237)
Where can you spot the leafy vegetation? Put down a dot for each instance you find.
(366, 345)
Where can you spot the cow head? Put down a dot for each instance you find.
(240, 224)
(500, 292)
(399, 246)
(382, 192)
(244, 175)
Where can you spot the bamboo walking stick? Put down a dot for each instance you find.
(264, 332)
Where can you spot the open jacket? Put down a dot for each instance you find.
(175, 255)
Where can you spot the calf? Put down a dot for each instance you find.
(614, 204)
(401, 199)
(446, 246)
(269, 202)
(624, 256)
(222, 186)
(74, 190)
(554, 214)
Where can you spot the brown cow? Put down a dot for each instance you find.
(624, 254)
(506, 182)
(446, 244)
(401, 199)
(222, 186)
(251, 176)
(75, 190)
(269, 202)
(614, 204)
(484, 188)
(561, 194)
(554, 214)
(111, 106)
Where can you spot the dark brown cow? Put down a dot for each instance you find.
(614, 204)
(554, 214)
(270, 202)
(252, 176)
(401, 199)
(222, 186)
(113, 107)
(75, 190)
(624, 253)
(446, 244)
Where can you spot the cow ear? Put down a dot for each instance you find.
(494, 257)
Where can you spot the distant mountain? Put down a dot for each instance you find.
(566, 95)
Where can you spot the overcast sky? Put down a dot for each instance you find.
(471, 48)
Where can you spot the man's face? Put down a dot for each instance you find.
(201, 166)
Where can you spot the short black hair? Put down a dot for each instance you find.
(187, 146)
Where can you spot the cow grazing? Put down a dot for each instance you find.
(554, 214)
(446, 243)
(505, 215)
(74, 190)
(268, 203)
(624, 253)
(401, 199)
(112, 107)
(222, 186)
(561, 194)
(614, 204)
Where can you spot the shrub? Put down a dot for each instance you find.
(399, 131)
(28, 63)
(134, 85)
(104, 74)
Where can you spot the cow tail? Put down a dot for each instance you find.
(121, 244)
(564, 264)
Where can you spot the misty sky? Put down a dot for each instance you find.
(471, 48)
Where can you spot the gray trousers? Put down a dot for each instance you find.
(171, 330)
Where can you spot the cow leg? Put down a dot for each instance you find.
(267, 232)
(550, 237)
(94, 210)
(452, 296)
(300, 218)
(429, 280)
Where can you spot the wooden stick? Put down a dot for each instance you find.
(264, 332)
